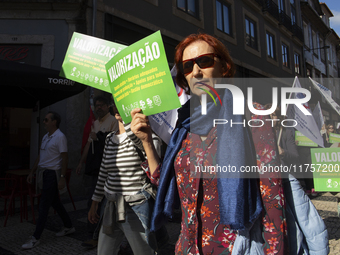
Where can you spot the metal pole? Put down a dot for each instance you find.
(94, 17)
(94, 25)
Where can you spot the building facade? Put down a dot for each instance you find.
(43, 29)
(321, 50)
(266, 38)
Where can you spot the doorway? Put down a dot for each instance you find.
(15, 138)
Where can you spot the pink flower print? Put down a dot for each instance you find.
(224, 241)
(207, 198)
(227, 238)
(265, 191)
(269, 227)
(178, 161)
(230, 234)
(205, 242)
(198, 152)
(273, 241)
(180, 178)
(271, 251)
(188, 161)
(266, 154)
(193, 195)
(185, 202)
(199, 161)
(206, 237)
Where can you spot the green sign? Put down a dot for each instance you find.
(139, 77)
(326, 169)
(334, 138)
(85, 60)
(303, 140)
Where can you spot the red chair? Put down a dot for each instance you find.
(67, 179)
(21, 189)
(8, 193)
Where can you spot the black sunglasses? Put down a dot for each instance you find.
(203, 61)
(45, 120)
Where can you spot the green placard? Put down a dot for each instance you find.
(326, 167)
(334, 138)
(139, 77)
(85, 60)
(303, 140)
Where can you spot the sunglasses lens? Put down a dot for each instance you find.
(205, 61)
(188, 66)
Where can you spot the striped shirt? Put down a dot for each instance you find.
(120, 170)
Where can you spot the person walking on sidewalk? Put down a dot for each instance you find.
(92, 155)
(129, 194)
(50, 168)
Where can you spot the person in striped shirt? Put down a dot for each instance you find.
(128, 190)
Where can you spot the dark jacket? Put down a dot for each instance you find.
(93, 160)
(287, 143)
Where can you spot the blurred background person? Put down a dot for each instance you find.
(92, 157)
(50, 168)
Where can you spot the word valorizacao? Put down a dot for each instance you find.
(137, 58)
(238, 100)
(327, 156)
(94, 47)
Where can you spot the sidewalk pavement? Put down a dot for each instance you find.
(327, 205)
(15, 233)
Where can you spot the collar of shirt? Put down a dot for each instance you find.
(51, 136)
(104, 118)
(47, 138)
(118, 138)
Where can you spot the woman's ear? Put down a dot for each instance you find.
(228, 71)
(225, 70)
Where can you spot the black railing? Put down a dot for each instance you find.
(260, 2)
(272, 8)
(286, 21)
(297, 31)
(337, 48)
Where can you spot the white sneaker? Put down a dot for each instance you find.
(66, 231)
(31, 243)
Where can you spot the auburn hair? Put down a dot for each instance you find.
(228, 67)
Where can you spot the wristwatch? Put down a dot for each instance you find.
(62, 176)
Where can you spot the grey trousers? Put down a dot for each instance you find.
(134, 232)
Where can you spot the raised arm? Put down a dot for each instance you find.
(140, 126)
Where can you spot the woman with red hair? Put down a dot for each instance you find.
(222, 213)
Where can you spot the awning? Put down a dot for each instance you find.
(24, 85)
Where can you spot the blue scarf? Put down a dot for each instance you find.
(240, 203)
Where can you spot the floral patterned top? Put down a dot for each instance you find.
(201, 230)
(274, 226)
